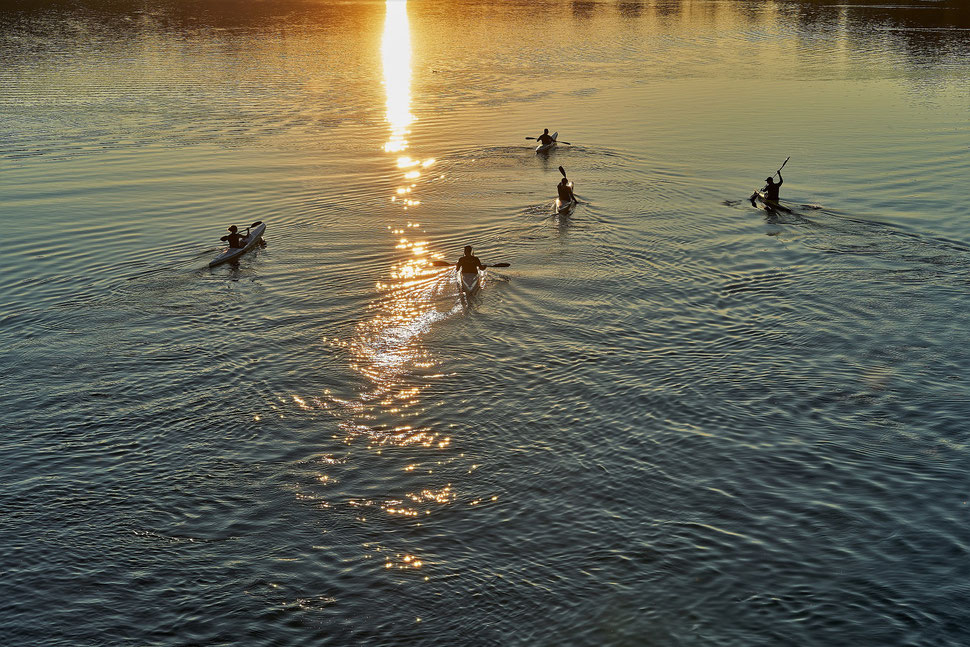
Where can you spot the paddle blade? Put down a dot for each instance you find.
(563, 171)
(530, 137)
(256, 224)
(562, 142)
(497, 265)
(441, 263)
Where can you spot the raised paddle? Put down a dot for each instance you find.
(782, 165)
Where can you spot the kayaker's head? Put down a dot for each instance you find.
(468, 250)
(770, 180)
(545, 131)
(233, 228)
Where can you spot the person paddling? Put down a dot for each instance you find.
(565, 190)
(772, 187)
(469, 264)
(545, 138)
(234, 238)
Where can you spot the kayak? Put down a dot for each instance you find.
(470, 282)
(564, 207)
(232, 253)
(542, 148)
(771, 205)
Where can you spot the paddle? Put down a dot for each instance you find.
(447, 264)
(255, 224)
(558, 141)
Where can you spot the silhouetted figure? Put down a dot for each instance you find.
(468, 264)
(545, 138)
(565, 191)
(235, 238)
(771, 188)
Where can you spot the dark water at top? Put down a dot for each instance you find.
(676, 419)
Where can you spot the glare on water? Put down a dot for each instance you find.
(679, 420)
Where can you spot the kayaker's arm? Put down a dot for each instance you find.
(781, 180)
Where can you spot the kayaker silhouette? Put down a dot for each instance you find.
(469, 264)
(771, 188)
(545, 138)
(235, 238)
(565, 191)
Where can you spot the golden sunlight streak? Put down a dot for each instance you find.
(396, 54)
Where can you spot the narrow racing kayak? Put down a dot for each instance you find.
(469, 283)
(542, 148)
(770, 205)
(231, 253)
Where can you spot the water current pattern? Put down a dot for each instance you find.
(679, 418)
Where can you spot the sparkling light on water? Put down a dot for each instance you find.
(396, 55)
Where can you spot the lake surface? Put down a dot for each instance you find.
(676, 418)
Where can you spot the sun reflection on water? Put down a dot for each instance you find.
(388, 343)
(396, 55)
(388, 347)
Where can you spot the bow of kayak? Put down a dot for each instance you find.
(232, 253)
(771, 205)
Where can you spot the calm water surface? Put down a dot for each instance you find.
(676, 419)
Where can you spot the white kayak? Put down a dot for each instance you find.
(770, 205)
(542, 148)
(564, 207)
(232, 253)
(470, 282)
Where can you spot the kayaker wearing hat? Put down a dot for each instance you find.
(234, 238)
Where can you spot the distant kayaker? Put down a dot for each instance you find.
(235, 238)
(771, 188)
(565, 191)
(545, 138)
(468, 264)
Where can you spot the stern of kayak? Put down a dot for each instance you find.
(469, 283)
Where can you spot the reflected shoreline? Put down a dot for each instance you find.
(927, 34)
